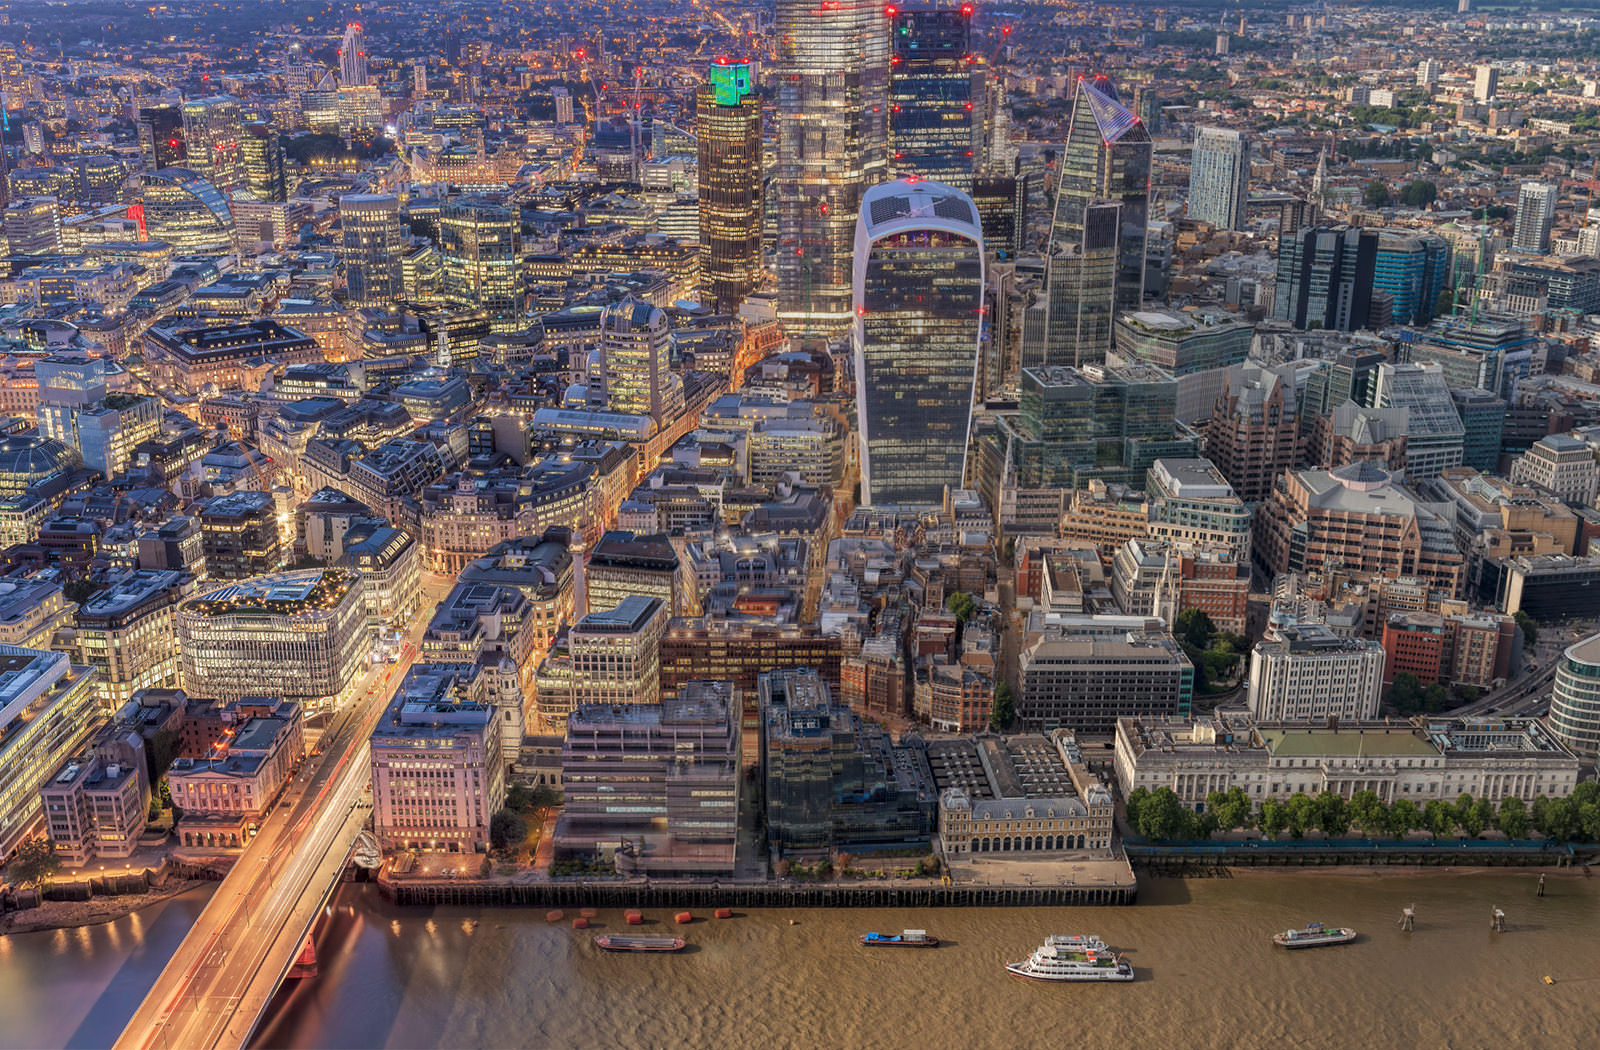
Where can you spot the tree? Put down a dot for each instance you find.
(1005, 709)
(1368, 812)
(1162, 817)
(782, 869)
(824, 869)
(1377, 194)
(1434, 698)
(1232, 808)
(1333, 814)
(1274, 818)
(1513, 818)
(962, 604)
(1193, 627)
(1302, 810)
(1439, 817)
(1418, 193)
(1406, 693)
(1557, 818)
(1404, 816)
(1530, 628)
(1477, 818)
(843, 861)
(33, 863)
(507, 830)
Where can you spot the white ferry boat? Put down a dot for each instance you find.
(1315, 935)
(1073, 958)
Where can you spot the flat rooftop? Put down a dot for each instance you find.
(1400, 740)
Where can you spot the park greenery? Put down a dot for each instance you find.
(1005, 708)
(1162, 817)
(1408, 696)
(1215, 654)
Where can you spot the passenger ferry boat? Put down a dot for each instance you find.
(1315, 935)
(1073, 958)
(628, 942)
(906, 939)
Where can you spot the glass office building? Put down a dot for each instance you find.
(372, 237)
(833, 133)
(1219, 177)
(728, 127)
(480, 243)
(1107, 158)
(187, 212)
(918, 293)
(934, 84)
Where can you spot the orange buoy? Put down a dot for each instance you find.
(553, 915)
(724, 913)
(632, 918)
(580, 923)
(683, 918)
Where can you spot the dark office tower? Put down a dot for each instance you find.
(935, 129)
(372, 239)
(1002, 202)
(1082, 287)
(728, 126)
(480, 246)
(918, 293)
(1107, 158)
(161, 136)
(262, 155)
(833, 131)
(1325, 278)
(452, 48)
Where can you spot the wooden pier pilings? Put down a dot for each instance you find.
(715, 895)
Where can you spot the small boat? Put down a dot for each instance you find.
(1315, 935)
(1072, 958)
(905, 939)
(627, 942)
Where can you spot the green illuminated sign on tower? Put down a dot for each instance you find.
(730, 81)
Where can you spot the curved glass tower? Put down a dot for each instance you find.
(918, 296)
(1575, 698)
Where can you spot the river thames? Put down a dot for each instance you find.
(1208, 974)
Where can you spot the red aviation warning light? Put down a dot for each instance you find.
(966, 10)
(891, 11)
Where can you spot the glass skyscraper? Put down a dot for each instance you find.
(934, 87)
(1219, 177)
(1107, 158)
(918, 293)
(213, 133)
(372, 237)
(480, 245)
(1413, 269)
(833, 110)
(728, 126)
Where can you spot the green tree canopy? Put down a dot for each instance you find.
(507, 830)
(1418, 193)
(1194, 627)
(1377, 194)
(1530, 628)
(33, 863)
(1005, 708)
(1512, 819)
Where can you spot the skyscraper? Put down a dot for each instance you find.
(212, 133)
(161, 136)
(918, 293)
(934, 87)
(1486, 83)
(372, 239)
(353, 57)
(637, 370)
(1107, 158)
(1219, 177)
(1082, 289)
(480, 245)
(1536, 213)
(1325, 276)
(728, 126)
(833, 110)
(261, 154)
(1413, 269)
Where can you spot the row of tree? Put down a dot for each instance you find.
(1162, 817)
